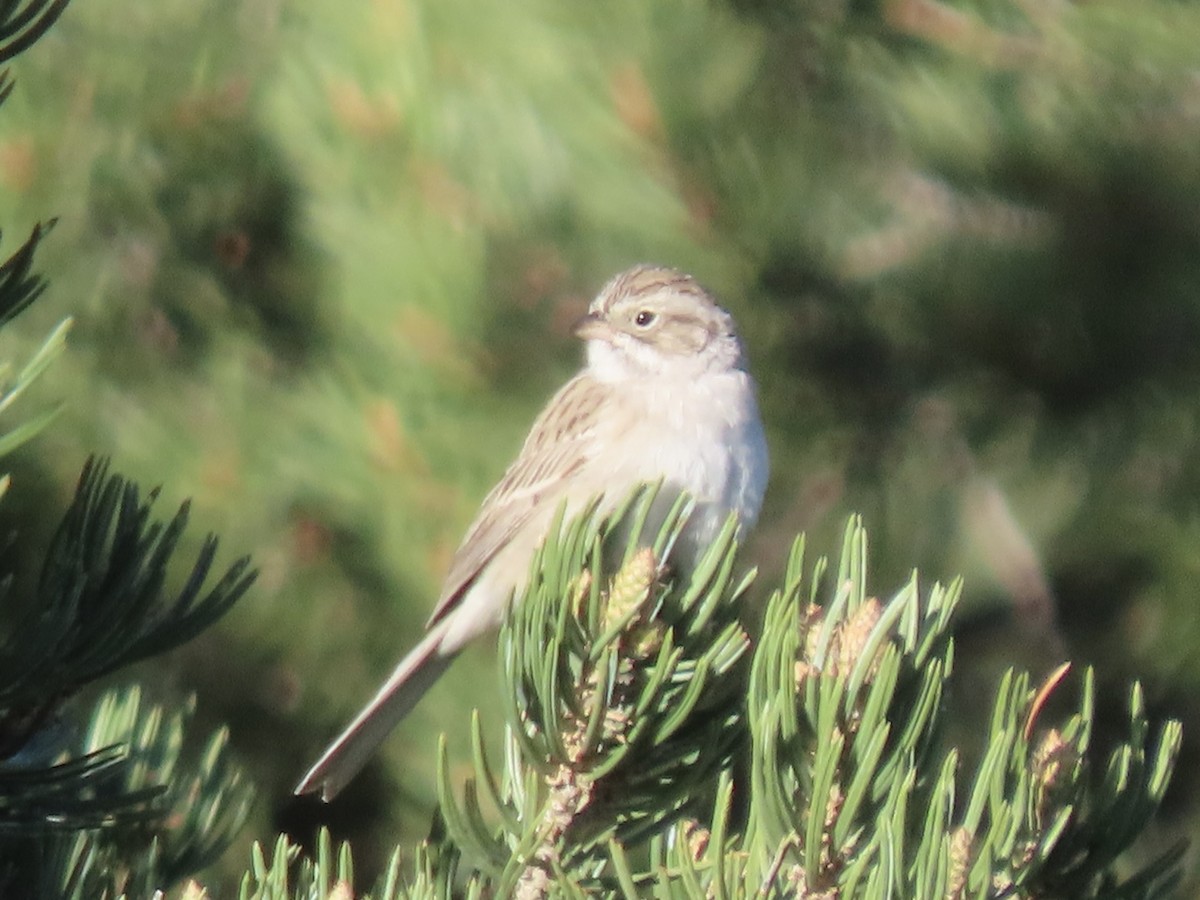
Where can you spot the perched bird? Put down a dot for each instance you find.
(664, 395)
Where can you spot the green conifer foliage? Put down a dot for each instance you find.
(653, 749)
(113, 807)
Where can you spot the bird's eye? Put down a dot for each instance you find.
(644, 319)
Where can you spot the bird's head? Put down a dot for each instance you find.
(654, 321)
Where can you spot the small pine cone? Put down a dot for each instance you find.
(960, 858)
(631, 586)
(853, 636)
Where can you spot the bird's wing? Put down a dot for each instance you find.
(560, 443)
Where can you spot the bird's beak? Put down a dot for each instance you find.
(593, 327)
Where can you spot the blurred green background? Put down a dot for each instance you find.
(323, 258)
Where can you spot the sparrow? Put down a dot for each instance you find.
(664, 396)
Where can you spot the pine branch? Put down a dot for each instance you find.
(101, 601)
(624, 694)
(44, 798)
(50, 349)
(630, 723)
(19, 285)
(118, 809)
(22, 26)
(125, 813)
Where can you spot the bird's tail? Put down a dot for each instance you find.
(407, 684)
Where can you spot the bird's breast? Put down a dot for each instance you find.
(702, 436)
